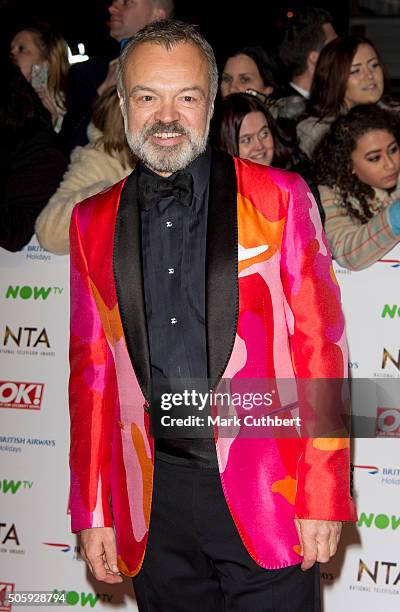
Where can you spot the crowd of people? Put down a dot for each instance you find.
(319, 105)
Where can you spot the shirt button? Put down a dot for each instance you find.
(173, 321)
(168, 223)
(171, 270)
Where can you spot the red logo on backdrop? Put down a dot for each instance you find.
(5, 589)
(23, 395)
(387, 423)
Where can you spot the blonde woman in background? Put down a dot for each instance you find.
(40, 46)
(94, 167)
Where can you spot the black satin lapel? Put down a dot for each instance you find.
(128, 275)
(222, 290)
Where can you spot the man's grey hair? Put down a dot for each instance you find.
(169, 33)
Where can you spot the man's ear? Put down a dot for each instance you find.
(267, 91)
(312, 58)
(158, 14)
(121, 102)
(212, 108)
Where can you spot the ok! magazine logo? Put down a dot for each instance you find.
(21, 395)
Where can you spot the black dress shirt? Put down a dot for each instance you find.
(174, 258)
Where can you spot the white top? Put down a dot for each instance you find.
(302, 92)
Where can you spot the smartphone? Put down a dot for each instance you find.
(39, 76)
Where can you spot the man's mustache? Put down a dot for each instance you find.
(160, 127)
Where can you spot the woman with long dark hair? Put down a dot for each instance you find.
(357, 168)
(349, 72)
(246, 129)
(249, 68)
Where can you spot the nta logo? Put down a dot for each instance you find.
(29, 337)
(11, 534)
(27, 292)
(382, 570)
(27, 396)
(389, 357)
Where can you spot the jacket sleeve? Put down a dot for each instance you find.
(89, 172)
(355, 246)
(319, 355)
(92, 396)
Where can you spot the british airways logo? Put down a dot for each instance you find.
(62, 547)
(395, 263)
(371, 469)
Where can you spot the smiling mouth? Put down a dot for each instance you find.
(258, 156)
(167, 135)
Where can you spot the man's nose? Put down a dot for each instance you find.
(115, 7)
(167, 112)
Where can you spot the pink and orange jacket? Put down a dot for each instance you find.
(273, 311)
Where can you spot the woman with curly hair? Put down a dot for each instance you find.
(357, 168)
(41, 46)
(349, 72)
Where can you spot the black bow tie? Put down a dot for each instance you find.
(152, 189)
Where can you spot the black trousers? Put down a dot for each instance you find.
(196, 561)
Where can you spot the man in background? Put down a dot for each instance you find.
(88, 80)
(307, 33)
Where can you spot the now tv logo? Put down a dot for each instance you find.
(26, 292)
(21, 395)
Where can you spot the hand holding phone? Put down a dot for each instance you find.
(39, 76)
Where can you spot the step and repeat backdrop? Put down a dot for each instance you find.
(37, 551)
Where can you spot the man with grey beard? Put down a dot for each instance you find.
(178, 274)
